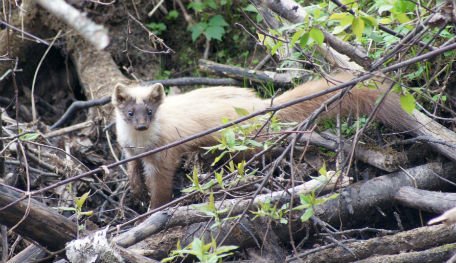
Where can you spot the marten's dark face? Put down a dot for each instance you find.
(140, 116)
(138, 105)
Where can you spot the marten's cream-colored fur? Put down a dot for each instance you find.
(145, 120)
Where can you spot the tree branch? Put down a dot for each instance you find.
(97, 35)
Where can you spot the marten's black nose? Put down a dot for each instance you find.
(141, 127)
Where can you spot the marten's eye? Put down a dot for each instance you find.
(130, 113)
(149, 112)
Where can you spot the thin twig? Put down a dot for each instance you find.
(32, 97)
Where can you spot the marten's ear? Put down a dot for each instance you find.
(157, 93)
(119, 95)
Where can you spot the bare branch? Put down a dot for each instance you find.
(97, 35)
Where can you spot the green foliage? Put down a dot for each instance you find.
(78, 204)
(77, 208)
(266, 209)
(347, 128)
(408, 102)
(213, 29)
(252, 9)
(210, 210)
(205, 253)
(239, 169)
(395, 10)
(237, 138)
(163, 74)
(196, 186)
(156, 28)
(172, 15)
(29, 136)
(360, 24)
(323, 171)
(308, 202)
(439, 97)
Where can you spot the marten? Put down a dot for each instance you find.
(146, 119)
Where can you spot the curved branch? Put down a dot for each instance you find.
(79, 105)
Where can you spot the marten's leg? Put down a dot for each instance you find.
(158, 178)
(136, 179)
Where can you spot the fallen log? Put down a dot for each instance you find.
(358, 202)
(35, 221)
(417, 239)
(257, 76)
(439, 254)
(387, 159)
(31, 253)
(434, 202)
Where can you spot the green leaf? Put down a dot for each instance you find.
(231, 167)
(307, 214)
(197, 6)
(331, 197)
(369, 20)
(230, 137)
(339, 29)
(254, 143)
(211, 3)
(173, 14)
(408, 103)
(347, 21)
(195, 177)
(250, 8)
(240, 148)
(304, 40)
(197, 248)
(87, 213)
(79, 201)
(224, 249)
(385, 21)
(307, 199)
(29, 136)
(338, 16)
(402, 18)
(358, 27)
(214, 32)
(212, 201)
(218, 158)
(323, 170)
(404, 6)
(241, 112)
(241, 167)
(156, 28)
(217, 20)
(276, 47)
(296, 36)
(219, 179)
(317, 35)
(197, 30)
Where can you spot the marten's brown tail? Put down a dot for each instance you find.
(363, 100)
(360, 100)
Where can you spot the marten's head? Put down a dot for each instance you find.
(138, 105)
